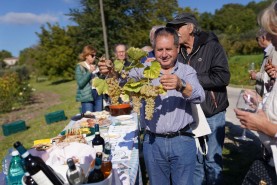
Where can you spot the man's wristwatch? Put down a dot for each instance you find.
(183, 87)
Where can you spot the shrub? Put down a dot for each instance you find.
(14, 92)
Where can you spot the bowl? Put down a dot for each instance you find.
(120, 109)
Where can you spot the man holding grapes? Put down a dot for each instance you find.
(169, 147)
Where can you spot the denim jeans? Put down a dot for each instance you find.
(167, 158)
(97, 101)
(95, 105)
(209, 168)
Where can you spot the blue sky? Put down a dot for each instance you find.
(20, 19)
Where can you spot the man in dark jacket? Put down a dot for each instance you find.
(204, 53)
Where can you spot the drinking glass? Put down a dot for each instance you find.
(247, 101)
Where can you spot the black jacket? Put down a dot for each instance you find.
(209, 60)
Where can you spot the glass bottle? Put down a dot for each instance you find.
(74, 174)
(28, 180)
(6, 164)
(98, 142)
(96, 175)
(39, 171)
(16, 170)
(106, 166)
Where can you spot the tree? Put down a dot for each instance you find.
(234, 19)
(4, 54)
(55, 55)
(127, 21)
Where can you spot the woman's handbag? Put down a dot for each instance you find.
(200, 128)
(260, 173)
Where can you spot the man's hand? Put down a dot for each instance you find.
(105, 66)
(170, 81)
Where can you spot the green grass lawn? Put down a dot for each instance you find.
(37, 127)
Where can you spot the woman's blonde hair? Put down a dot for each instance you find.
(87, 50)
(268, 19)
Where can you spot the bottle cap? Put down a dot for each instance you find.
(17, 144)
(15, 153)
(71, 164)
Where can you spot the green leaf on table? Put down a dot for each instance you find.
(100, 85)
(152, 71)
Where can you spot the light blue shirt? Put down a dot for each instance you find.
(172, 110)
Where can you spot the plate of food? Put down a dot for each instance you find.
(124, 117)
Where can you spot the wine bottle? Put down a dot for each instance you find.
(96, 174)
(98, 142)
(16, 170)
(106, 166)
(28, 180)
(75, 174)
(39, 171)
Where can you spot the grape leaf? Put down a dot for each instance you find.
(100, 85)
(152, 71)
(161, 90)
(118, 65)
(132, 86)
(136, 53)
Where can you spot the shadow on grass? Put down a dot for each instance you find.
(61, 81)
(238, 155)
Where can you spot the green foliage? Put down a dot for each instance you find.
(15, 92)
(234, 19)
(153, 71)
(127, 21)
(239, 65)
(55, 55)
(100, 85)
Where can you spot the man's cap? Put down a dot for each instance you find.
(183, 19)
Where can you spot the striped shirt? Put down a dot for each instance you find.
(172, 110)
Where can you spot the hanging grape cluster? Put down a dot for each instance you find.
(136, 103)
(114, 90)
(149, 93)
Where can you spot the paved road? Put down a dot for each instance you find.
(233, 94)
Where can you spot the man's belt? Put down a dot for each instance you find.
(182, 132)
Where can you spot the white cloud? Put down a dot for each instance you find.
(26, 18)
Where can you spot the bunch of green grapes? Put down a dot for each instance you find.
(149, 90)
(149, 93)
(149, 107)
(114, 89)
(136, 103)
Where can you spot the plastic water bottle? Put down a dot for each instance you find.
(6, 164)
(16, 170)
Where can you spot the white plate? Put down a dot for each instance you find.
(123, 117)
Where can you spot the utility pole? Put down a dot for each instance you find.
(104, 29)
